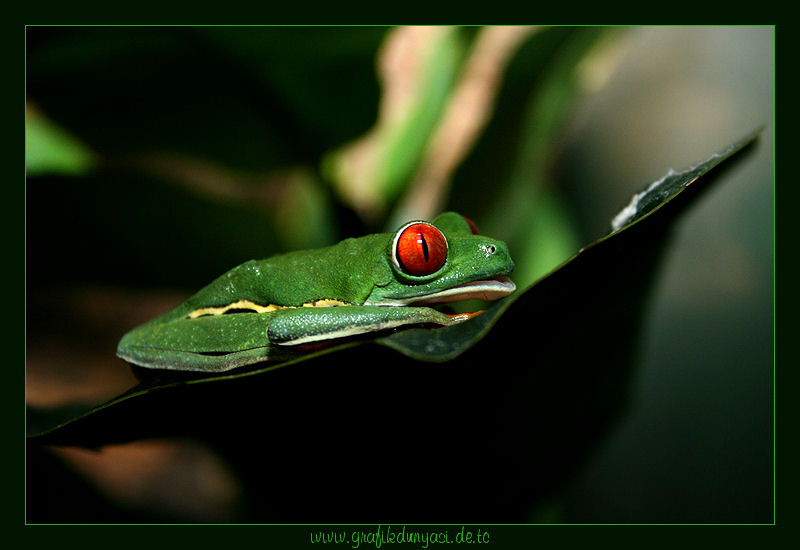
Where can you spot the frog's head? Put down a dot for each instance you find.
(443, 261)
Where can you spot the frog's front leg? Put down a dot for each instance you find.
(290, 327)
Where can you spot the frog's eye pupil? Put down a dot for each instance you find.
(424, 243)
(420, 249)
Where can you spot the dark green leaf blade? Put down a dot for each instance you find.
(595, 299)
(661, 191)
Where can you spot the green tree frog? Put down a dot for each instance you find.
(277, 308)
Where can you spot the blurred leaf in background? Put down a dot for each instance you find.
(50, 149)
(542, 86)
(418, 67)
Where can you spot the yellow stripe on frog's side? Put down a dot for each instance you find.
(257, 308)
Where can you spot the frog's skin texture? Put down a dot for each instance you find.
(280, 307)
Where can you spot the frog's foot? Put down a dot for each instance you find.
(465, 316)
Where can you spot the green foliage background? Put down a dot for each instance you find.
(157, 158)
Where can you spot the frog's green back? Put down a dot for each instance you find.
(343, 272)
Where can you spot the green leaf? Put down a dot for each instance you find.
(581, 317)
(665, 189)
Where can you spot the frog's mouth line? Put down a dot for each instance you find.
(487, 289)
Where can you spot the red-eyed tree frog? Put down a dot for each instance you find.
(277, 308)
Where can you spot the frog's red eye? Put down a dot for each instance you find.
(420, 249)
(472, 225)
